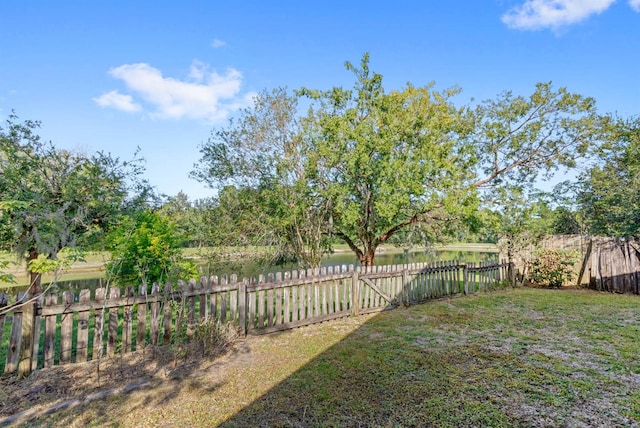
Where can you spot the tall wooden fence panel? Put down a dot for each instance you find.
(611, 265)
(68, 328)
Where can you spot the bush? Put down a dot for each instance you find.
(210, 339)
(552, 267)
(147, 248)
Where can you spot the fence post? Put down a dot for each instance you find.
(242, 306)
(355, 295)
(405, 296)
(512, 273)
(26, 345)
(465, 279)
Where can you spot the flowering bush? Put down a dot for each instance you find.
(552, 267)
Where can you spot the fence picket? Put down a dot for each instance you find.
(141, 327)
(154, 321)
(112, 339)
(168, 315)
(127, 321)
(98, 324)
(213, 299)
(223, 301)
(15, 338)
(252, 307)
(191, 313)
(202, 299)
(66, 329)
(83, 328)
(278, 318)
(294, 297)
(50, 331)
(233, 299)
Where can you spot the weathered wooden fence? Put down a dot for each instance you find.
(611, 264)
(61, 329)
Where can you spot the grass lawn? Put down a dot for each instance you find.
(523, 357)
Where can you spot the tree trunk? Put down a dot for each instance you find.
(367, 258)
(35, 278)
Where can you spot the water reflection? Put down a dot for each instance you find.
(249, 267)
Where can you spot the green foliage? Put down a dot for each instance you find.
(54, 198)
(553, 267)
(146, 248)
(565, 222)
(519, 138)
(258, 165)
(4, 276)
(385, 161)
(609, 193)
(369, 166)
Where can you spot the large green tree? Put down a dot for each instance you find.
(608, 194)
(373, 163)
(389, 160)
(56, 198)
(385, 161)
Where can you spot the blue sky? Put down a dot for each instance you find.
(160, 75)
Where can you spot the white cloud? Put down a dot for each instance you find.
(635, 5)
(538, 14)
(118, 101)
(204, 95)
(217, 43)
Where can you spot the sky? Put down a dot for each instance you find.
(160, 75)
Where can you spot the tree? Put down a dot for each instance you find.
(521, 218)
(260, 159)
(518, 139)
(609, 192)
(369, 164)
(56, 198)
(179, 209)
(385, 161)
(145, 248)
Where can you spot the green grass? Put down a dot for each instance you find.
(519, 357)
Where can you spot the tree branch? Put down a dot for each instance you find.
(350, 243)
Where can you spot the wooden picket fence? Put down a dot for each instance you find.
(61, 329)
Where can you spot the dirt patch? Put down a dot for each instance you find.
(47, 391)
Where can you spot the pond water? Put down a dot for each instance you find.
(248, 267)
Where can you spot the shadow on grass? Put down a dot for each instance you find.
(389, 372)
(486, 360)
(67, 391)
(494, 359)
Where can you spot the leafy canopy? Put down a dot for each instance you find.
(387, 160)
(54, 198)
(365, 164)
(608, 193)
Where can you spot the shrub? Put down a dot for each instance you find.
(552, 267)
(210, 338)
(147, 248)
